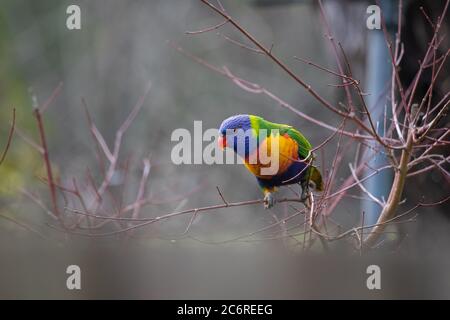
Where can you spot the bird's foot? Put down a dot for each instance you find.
(304, 195)
(269, 200)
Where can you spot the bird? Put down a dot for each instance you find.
(294, 154)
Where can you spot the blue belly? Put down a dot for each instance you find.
(296, 169)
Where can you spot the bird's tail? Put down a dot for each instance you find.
(316, 177)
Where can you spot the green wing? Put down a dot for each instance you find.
(304, 147)
(303, 144)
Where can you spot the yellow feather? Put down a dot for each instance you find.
(287, 154)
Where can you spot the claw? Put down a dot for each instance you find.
(305, 193)
(269, 200)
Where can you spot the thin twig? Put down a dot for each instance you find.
(207, 29)
(48, 166)
(10, 136)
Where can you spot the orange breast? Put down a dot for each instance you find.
(286, 148)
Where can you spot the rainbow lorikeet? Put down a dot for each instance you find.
(294, 153)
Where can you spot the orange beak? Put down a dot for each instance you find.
(222, 142)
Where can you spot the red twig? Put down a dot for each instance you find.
(52, 97)
(29, 141)
(207, 29)
(48, 166)
(10, 136)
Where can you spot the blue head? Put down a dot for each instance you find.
(236, 132)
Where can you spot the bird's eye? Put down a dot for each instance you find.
(235, 130)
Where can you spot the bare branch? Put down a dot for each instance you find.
(52, 97)
(361, 186)
(10, 135)
(51, 183)
(207, 29)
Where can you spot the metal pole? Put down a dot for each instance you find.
(378, 77)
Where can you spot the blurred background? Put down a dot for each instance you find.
(120, 48)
